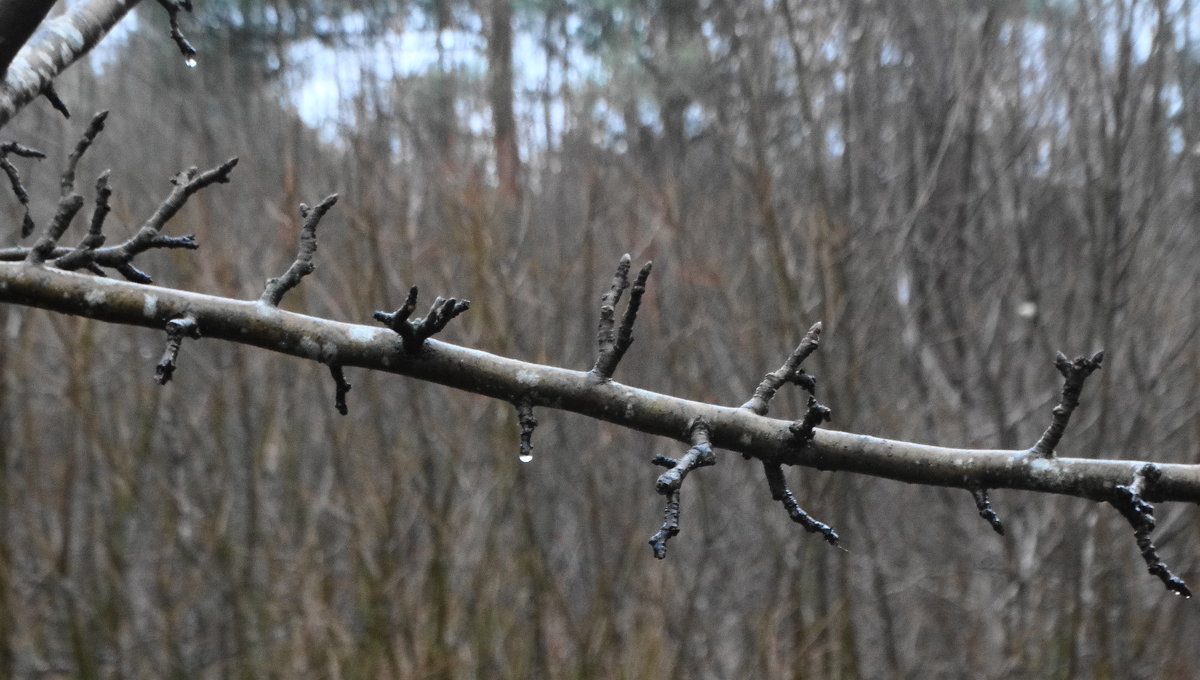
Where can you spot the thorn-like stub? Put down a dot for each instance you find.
(413, 333)
(1074, 374)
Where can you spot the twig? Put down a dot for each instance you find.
(51, 96)
(614, 340)
(414, 333)
(527, 422)
(779, 492)
(985, 508)
(303, 265)
(1074, 372)
(1129, 502)
(339, 381)
(14, 179)
(789, 372)
(669, 483)
(177, 329)
(173, 8)
(69, 202)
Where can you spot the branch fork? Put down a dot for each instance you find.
(668, 483)
(615, 339)
(413, 333)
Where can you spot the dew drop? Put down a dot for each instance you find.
(190, 62)
(525, 457)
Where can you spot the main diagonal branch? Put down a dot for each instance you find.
(734, 429)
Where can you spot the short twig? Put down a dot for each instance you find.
(51, 96)
(303, 265)
(173, 8)
(1074, 373)
(615, 339)
(413, 333)
(339, 381)
(789, 372)
(984, 505)
(1128, 500)
(527, 422)
(779, 492)
(14, 179)
(177, 329)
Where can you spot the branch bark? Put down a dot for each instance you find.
(57, 44)
(731, 428)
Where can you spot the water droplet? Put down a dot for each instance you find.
(190, 62)
(526, 457)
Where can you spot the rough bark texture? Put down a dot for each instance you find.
(732, 428)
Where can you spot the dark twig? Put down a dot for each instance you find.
(985, 508)
(614, 340)
(1074, 372)
(173, 8)
(669, 483)
(528, 422)
(339, 380)
(779, 492)
(789, 372)
(14, 179)
(69, 203)
(51, 96)
(177, 329)
(277, 287)
(1128, 500)
(414, 333)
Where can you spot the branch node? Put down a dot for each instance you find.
(1129, 501)
(414, 333)
(1074, 374)
(615, 339)
(303, 265)
(342, 387)
(528, 422)
(177, 329)
(790, 372)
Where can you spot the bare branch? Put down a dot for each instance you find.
(173, 8)
(303, 265)
(1074, 373)
(789, 372)
(342, 387)
(1128, 501)
(985, 508)
(527, 422)
(779, 492)
(14, 179)
(615, 340)
(177, 329)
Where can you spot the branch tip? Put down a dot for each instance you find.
(1074, 374)
(984, 505)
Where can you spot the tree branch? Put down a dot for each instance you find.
(57, 44)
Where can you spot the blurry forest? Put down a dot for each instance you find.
(956, 189)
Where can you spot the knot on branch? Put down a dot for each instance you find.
(669, 483)
(177, 330)
(614, 340)
(303, 265)
(1074, 374)
(789, 372)
(1129, 501)
(413, 333)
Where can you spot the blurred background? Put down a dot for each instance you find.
(956, 189)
